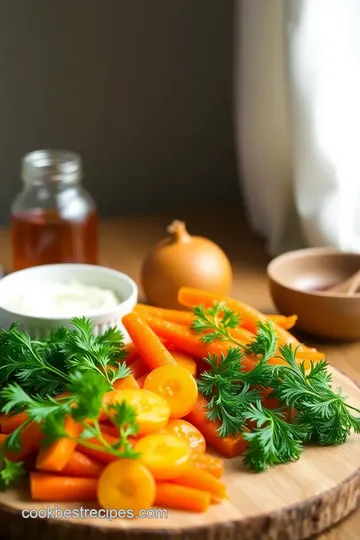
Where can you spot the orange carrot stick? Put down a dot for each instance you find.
(50, 487)
(53, 458)
(188, 341)
(199, 479)
(170, 495)
(281, 320)
(30, 439)
(150, 347)
(82, 466)
(211, 464)
(228, 446)
(172, 315)
(3, 438)
(127, 382)
(131, 353)
(250, 316)
(138, 368)
(8, 423)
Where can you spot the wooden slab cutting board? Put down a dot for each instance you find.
(290, 502)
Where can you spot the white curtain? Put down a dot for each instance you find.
(297, 92)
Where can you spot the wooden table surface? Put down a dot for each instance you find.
(125, 241)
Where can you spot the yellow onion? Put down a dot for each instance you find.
(182, 260)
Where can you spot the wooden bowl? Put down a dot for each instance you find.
(298, 283)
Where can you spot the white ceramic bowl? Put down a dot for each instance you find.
(38, 327)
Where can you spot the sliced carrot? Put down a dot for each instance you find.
(281, 320)
(211, 464)
(189, 341)
(228, 446)
(187, 432)
(30, 439)
(186, 361)
(196, 478)
(165, 455)
(51, 487)
(127, 382)
(138, 368)
(150, 347)
(177, 316)
(170, 495)
(53, 458)
(176, 385)
(152, 410)
(8, 423)
(128, 485)
(82, 466)
(250, 317)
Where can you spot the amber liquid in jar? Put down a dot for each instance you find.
(53, 219)
(43, 237)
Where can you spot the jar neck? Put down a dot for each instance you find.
(51, 168)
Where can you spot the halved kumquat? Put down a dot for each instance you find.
(166, 456)
(126, 484)
(176, 385)
(152, 410)
(188, 433)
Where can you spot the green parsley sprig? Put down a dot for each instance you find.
(43, 367)
(322, 416)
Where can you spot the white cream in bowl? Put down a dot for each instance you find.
(43, 298)
(72, 299)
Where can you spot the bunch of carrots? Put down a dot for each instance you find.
(174, 468)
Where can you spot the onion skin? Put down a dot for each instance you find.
(182, 260)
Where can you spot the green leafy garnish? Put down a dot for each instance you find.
(63, 376)
(322, 415)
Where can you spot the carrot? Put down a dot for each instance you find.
(150, 347)
(131, 353)
(82, 466)
(190, 342)
(172, 315)
(127, 382)
(30, 438)
(53, 458)
(50, 487)
(199, 479)
(8, 423)
(310, 355)
(281, 320)
(228, 446)
(3, 438)
(211, 464)
(138, 368)
(189, 433)
(250, 317)
(170, 495)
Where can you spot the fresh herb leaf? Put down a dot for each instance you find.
(124, 418)
(88, 388)
(216, 321)
(273, 440)
(10, 473)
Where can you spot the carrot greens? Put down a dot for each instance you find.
(321, 415)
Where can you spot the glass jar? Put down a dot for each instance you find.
(53, 219)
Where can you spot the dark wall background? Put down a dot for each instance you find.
(142, 89)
